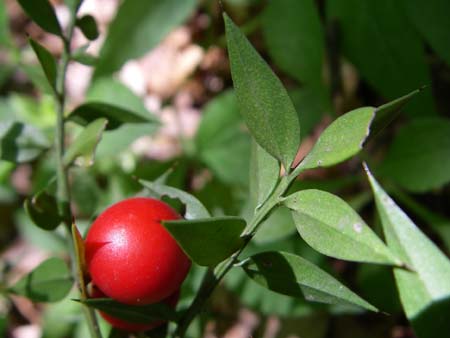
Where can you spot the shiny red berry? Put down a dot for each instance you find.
(131, 257)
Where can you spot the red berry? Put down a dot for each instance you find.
(134, 327)
(131, 257)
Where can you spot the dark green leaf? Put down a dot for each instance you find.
(333, 228)
(221, 141)
(296, 43)
(425, 292)
(341, 140)
(147, 22)
(82, 150)
(3, 325)
(294, 276)
(43, 210)
(431, 20)
(20, 142)
(386, 113)
(312, 104)
(43, 14)
(47, 62)
(264, 175)
(194, 208)
(116, 116)
(419, 157)
(49, 282)
(88, 26)
(380, 41)
(131, 313)
(221, 233)
(263, 101)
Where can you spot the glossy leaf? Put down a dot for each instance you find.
(221, 233)
(47, 62)
(43, 14)
(431, 20)
(49, 282)
(147, 22)
(263, 101)
(425, 293)
(419, 156)
(194, 208)
(395, 62)
(21, 142)
(342, 139)
(296, 43)
(43, 210)
(82, 150)
(131, 313)
(221, 141)
(116, 116)
(333, 228)
(294, 276)
(88, 26)
(264, 174)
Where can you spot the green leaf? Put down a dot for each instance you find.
(430, 19)
(264, 175)
(47, 62)
(43, 14)
(263, 101)
(49, 282)
(194, 208)
(419, 157)
(73, 5)
(387, 112)
(341, 140)
(116, 116)
(221, 233)
(333, 228)
(312, 104)
(88, 26)
(84, 58)
(294, 276)
(279, 225)
(36, 75)
(42, 209)
(296, 43)
(427, 290)
(20, 142)
(5, 34)
(115, 93)
(82, 150)
(147, 22)
(378, 38)
(221, 142)
(131, 313)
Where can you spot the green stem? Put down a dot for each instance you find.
(213, 276)
(62, 181)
